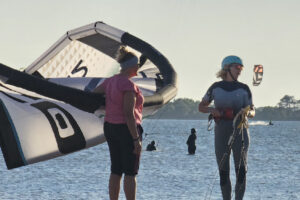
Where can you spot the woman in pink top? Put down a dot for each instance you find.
(122, 127)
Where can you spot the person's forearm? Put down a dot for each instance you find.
(206, 109)
(99, 89)
(130, 121)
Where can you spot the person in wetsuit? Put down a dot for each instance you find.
(151, 146)
(230, 96)
(191, 142)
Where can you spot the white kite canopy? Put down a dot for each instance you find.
(91, 51)
(49, 110)
(94, 45)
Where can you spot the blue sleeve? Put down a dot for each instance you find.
(249, 97)
(208, 97)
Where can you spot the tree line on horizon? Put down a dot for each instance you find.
(288, 108)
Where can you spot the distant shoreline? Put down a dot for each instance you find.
(266, 120)
(187, 109)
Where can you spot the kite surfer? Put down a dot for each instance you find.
(230, 98)
(122, 127)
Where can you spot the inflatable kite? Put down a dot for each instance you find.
(49, 109)
(258, 72)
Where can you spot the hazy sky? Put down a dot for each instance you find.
(194, 35)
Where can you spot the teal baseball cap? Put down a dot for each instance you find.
(231, 60)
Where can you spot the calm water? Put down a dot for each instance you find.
(169, 173)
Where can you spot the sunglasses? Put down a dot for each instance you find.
(237, 66)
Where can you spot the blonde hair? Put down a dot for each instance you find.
(124, 55)
(223, 72)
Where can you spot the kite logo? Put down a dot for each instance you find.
(79, 68)
(68, 134)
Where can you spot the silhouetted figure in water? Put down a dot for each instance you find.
(270, 122)
(151, 146)
(191, 142)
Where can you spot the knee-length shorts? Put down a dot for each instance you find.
(121, 146)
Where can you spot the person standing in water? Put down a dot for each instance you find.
(230, 97)
(191, 142)
(122, 127)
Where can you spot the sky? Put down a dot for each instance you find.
(195, 35)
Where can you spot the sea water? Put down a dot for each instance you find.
(168, 173)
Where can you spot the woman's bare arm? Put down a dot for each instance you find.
(99, 89)
(128, 109)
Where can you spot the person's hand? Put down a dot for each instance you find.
(216, 113)
(137, 147)
(246, 112)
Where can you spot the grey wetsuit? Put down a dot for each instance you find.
(233, 95)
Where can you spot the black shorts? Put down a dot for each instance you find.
(120, 143)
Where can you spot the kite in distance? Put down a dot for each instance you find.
(258, 72)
